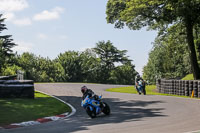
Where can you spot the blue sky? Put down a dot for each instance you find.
(51, 27)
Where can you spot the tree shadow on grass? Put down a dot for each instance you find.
(121, 111)
(15, 110)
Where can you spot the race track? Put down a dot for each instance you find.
(130, 113)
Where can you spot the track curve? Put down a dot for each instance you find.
(129, 113)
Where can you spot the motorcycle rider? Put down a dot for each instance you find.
(88, 92)
(137, 79)
(140, 84)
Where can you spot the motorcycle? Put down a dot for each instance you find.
(95, 107)
(140, 86)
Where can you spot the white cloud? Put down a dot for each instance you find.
(23, 46)
(58, 9)
(49, 15)
(13, 5)
(8, 7)
(42, 36)
(9, 16)
(22, 22)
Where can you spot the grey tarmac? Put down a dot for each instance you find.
(130, 113)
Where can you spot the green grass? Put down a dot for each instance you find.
(188, 77)
(19, 110)
(150, 90)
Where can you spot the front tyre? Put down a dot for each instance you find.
(106, 108)
(90, 112)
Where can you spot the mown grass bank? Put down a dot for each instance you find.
(19, 110)
(150, 90)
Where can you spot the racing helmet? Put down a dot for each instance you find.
(138, 75)
(83, 89)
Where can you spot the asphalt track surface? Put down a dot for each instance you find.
(130, 113)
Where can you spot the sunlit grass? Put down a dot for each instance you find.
(188, 77)
(150, 90)
(18, 110)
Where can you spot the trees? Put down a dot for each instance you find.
(5, 45)
(91, 66)
(38, 68)
(158, 14)
(71, 64)
(169, 57)
(124, 74)
(80, 66)
(109, 55)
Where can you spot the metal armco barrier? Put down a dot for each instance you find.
(179, 87)
(198, 89)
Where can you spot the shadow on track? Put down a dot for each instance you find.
(121, 111)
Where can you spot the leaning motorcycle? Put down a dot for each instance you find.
(140, 87)
(95, 107)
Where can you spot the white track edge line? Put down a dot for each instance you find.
(73, 109)
(198, 131)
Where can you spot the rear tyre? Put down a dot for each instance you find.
(106, 108)
(90, 112)
(144, 91)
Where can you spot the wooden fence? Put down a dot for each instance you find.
(179, 87)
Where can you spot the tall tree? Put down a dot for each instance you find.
(5, 44)
(91, 66)
(158, 14)
(123, 74)
(169, 57)
(109, 55)
(71, 63)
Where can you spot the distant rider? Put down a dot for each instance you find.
(140, 84)
(137, 79)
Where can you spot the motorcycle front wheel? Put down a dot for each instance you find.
(106, 108)
(90, 112)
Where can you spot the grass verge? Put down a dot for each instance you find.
(150, 90)
(188, 77)
(19, 110)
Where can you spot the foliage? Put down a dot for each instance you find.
(169, 57)
(91, 66)
(158, 14)
(73, 66)
(19, 110)
(39, 69)
(124, 74)
(11, 70)
(71, 63)
(109, 55)
(6, 45)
